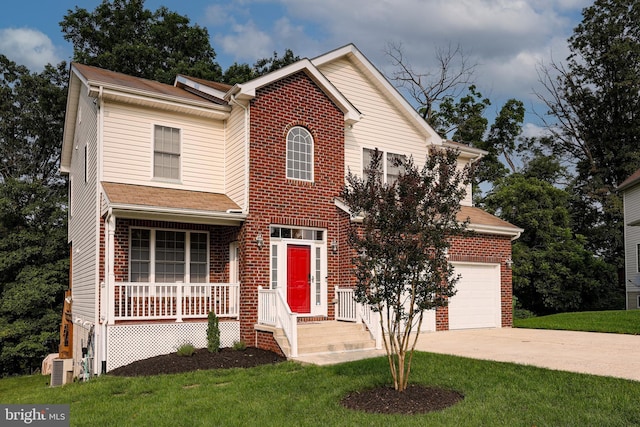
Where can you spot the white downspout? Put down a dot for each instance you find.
(104, 288)
(108, 287)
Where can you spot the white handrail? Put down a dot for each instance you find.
(273, 310)
(347, 309)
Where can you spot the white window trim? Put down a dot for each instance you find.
(187, 255)
(312, 155)
(385, 153)
(314, 244)
(153, 151)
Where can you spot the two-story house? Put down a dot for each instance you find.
(202, 197)
(630, 190)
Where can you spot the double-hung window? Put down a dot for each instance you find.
(389, 168)
(299, 154)
(166, 152)
(168, 256)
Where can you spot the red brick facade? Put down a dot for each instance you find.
(274, 199)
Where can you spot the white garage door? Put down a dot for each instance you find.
(477, 303)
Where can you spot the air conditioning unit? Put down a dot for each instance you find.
(61, 372)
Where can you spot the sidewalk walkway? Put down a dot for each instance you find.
(611, 355)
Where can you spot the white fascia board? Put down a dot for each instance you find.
(200, 87)
(466, 151)
(76, 83)
(352, 52)
(514, 233)
(247, 91)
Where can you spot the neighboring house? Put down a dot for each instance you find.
(630, 190)
(204, 197)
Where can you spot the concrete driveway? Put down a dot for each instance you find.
(612, 355)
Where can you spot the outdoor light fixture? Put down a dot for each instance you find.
(508, 262)
(259, 241)
(334, 246)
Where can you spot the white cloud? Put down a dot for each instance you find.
(216, 15)
(28, 47)
(246, 43)
(506, 38)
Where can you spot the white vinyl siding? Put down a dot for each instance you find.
(382, 125)
(468, 198)
(632, 238)
(128, 148)
(84, 231)
(235, 156)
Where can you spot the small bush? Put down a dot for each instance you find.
(186, 349)
(239, 345)
(213, 333)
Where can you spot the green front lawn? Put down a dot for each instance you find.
(289, 394)
(614, 321)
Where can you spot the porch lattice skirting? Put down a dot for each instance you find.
(128, 343)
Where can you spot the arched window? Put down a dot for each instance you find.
(299, 154)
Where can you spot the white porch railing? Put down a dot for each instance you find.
(347, 309)
(273, 310)
(176, 301)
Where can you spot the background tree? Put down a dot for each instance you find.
(594, 106)
(451, 76)
(402, 269)
(33, 249)
(553, 270)
(123, 36)
(240, 73)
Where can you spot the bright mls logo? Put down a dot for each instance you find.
(37, 415)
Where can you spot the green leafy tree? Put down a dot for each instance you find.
(594, 106)
(402, 268)
(33, 250)
(123, 36)
(240, 73)
(553, 269)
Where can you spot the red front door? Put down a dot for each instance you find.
(299, 278)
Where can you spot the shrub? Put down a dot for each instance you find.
(186, 349)
(213, 333)
(239, 345)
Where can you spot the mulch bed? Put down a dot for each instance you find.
(416, 399)
(202, 359)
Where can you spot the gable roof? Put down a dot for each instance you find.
(363, 64)
(630, 182)
(247, 91)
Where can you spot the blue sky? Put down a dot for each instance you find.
(506, 38)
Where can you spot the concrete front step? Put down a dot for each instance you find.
(328, 337)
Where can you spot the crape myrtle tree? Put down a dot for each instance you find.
(401, 244)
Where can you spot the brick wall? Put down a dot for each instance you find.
(274, 199)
